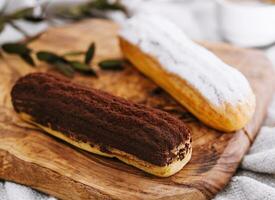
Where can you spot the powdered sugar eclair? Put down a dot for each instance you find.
(216, 93)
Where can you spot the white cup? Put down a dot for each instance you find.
(246, 24)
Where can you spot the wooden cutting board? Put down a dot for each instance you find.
(31, 157)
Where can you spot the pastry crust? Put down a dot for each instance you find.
(226, 117)
(161, 171)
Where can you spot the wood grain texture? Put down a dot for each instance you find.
(34, 158)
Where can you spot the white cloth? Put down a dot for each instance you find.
(255, 178)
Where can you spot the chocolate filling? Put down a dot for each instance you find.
(96, 117)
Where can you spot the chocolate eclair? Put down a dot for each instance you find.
(149, 139)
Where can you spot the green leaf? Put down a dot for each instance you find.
(76, 12)
(34, 19)
(56, 61)
(2, 24)
(64, 68)
(28, 59)
(20, 49)
(21, 13)
(90, 9)
(74, 53)
(49, 57)
(82, 67)
(16, 48)
(106, 5)
(90, 53)
(111, 64)
(79, 66)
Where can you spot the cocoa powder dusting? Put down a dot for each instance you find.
(94, 116)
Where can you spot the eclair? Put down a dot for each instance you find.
(216, 93)
(147, 138)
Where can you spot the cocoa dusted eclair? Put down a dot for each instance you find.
(147, 138)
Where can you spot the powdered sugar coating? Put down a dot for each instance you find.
(217, 82)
